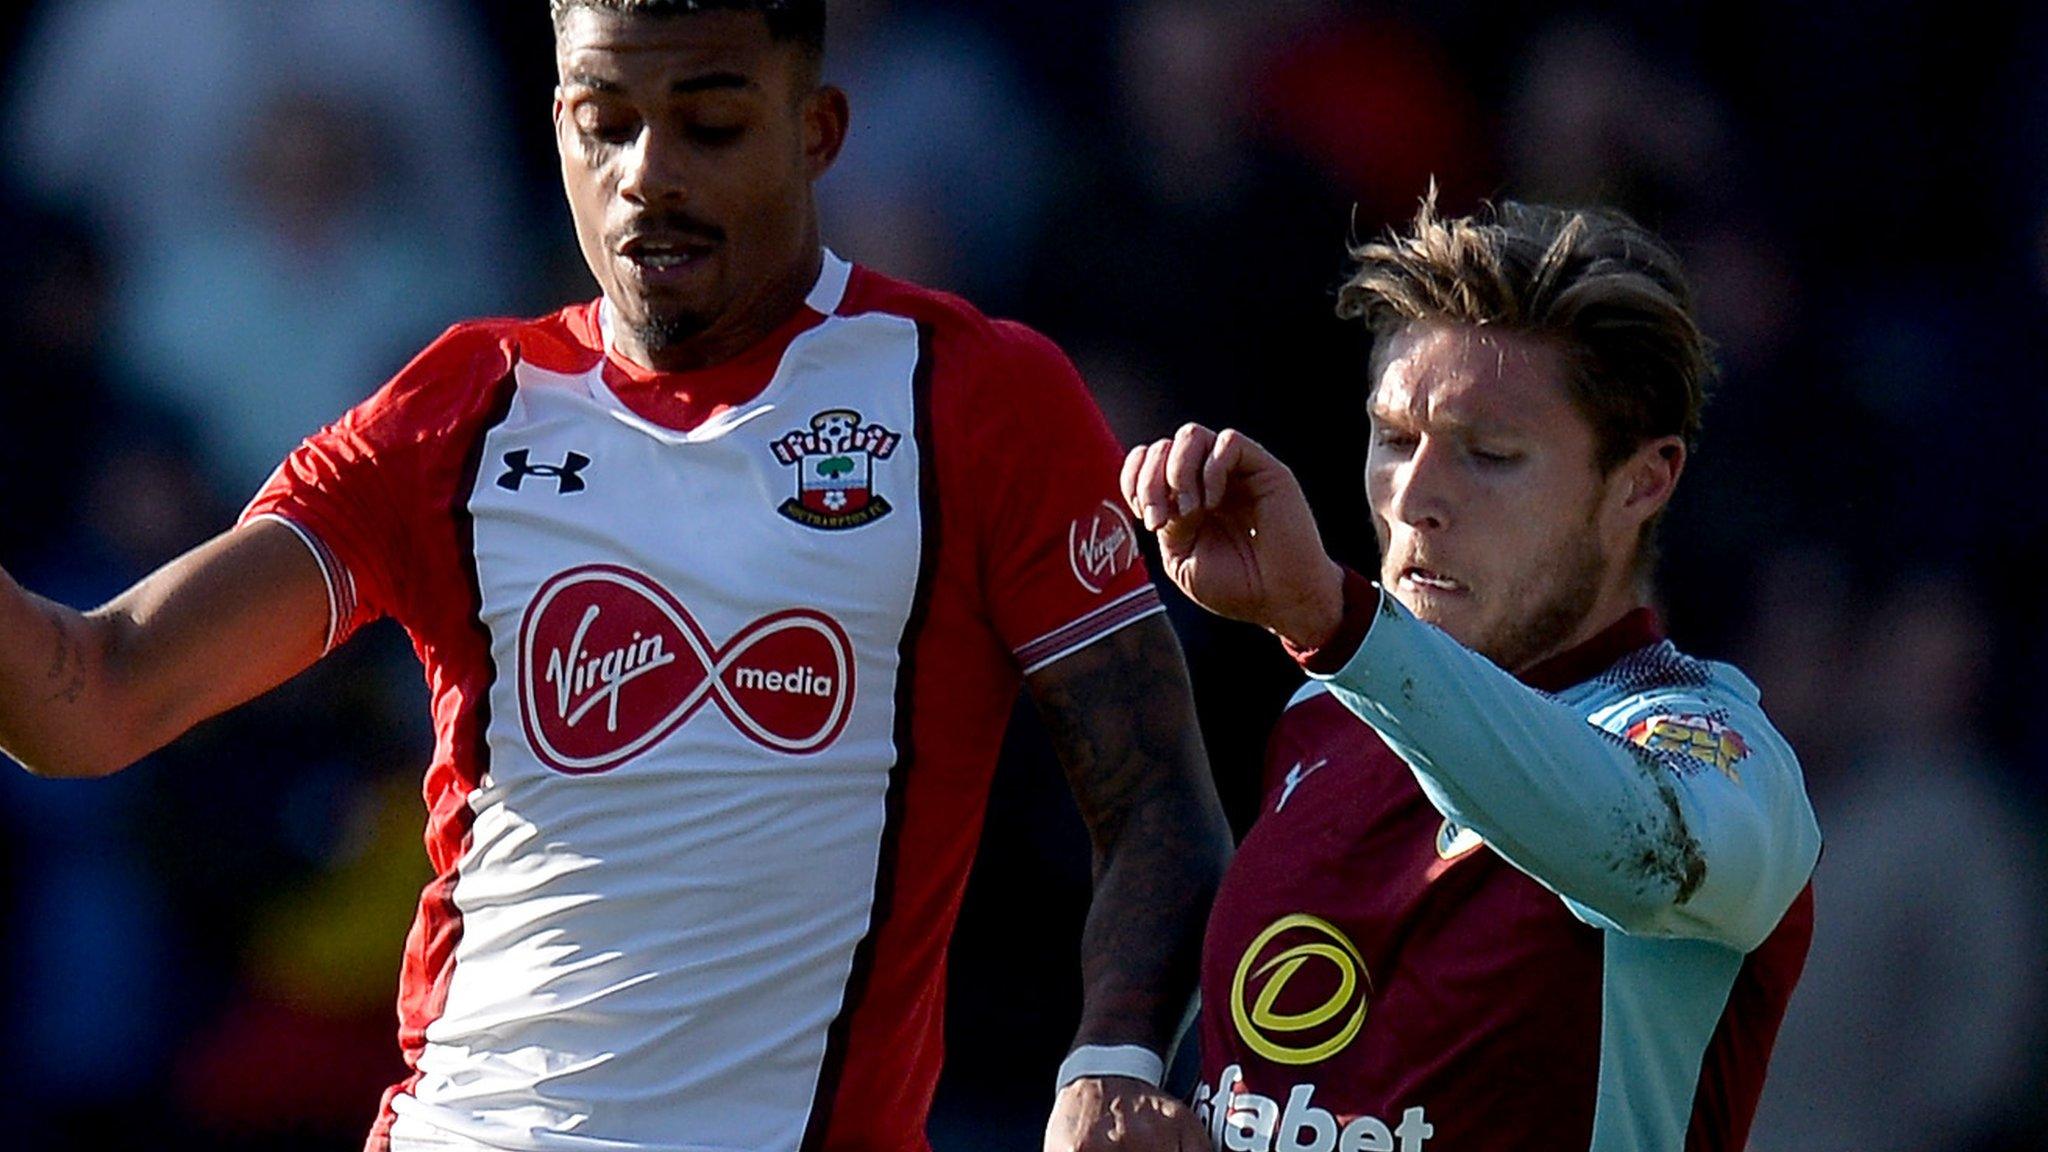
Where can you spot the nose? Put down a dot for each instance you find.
(652, 169)
(1423, 487)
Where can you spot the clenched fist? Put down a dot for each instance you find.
(1235, 532)
(1119, 1114)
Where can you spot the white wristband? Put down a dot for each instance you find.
(1132, 1060)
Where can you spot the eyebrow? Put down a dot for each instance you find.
(591, 81)
(688, 86)
(710, 82)
(1386, 414)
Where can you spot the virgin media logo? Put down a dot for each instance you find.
(610, 664)
(1101, 547)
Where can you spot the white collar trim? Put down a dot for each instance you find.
(825, 297)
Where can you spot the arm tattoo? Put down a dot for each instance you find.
(66, 677)
(1122, 718)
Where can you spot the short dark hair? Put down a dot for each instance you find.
(799, 21)
(1604, 289)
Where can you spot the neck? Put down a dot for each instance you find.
(746, 324)
(1616, 601)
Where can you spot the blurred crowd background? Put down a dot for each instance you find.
(226, 221)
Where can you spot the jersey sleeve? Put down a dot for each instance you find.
(1060, 566)
(1671, 812)
(357, 492)
(329, 493)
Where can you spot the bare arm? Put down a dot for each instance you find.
(1123, 721)
(87, 694)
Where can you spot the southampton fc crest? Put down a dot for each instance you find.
(835, 471)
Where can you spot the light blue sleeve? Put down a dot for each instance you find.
(1643, 840)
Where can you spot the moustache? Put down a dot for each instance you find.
(668, 227)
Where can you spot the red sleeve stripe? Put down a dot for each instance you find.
(1114, 616)
(341, 585)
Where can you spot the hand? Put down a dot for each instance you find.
(1107, 1113)
(1236, 533)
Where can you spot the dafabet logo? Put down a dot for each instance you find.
(1301, 991)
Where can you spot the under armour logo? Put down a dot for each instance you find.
(567, 475)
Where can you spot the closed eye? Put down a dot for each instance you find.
(611, 136)
(606, 126)
(716, 135)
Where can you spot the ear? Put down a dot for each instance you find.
(1642, 486)
(826, 116)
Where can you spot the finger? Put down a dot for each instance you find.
(1184, 467)
(1134, 462)
(1153, 497)
(1226, 455)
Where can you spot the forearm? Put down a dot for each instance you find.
(1597, 819)
(1651, 842)
(86, 694)
(53, 717)
(1123, 720)
(1141, 946)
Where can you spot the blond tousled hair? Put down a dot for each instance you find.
(1602, 288)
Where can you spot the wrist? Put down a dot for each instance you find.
(1095, 1060)
(1361, 600)
(1315, 620)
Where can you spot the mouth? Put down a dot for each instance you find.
(663, 254)
(1416, 578)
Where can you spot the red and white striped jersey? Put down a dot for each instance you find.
(720, 663)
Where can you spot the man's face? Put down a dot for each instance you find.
(688, 145)
(1493, 520)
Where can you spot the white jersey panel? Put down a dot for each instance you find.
(692, 727)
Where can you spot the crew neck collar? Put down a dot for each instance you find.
(684, 401)
(824, 299)
(1635, 631)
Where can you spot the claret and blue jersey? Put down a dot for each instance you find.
(1478, 913)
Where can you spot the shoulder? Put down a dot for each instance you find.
(1306, 693)
(486, 349)
(1315, 729)
(869, 292)
(460, 377)
(1314, 716)
(998, 385)
(1694, 713)
(963, 340)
